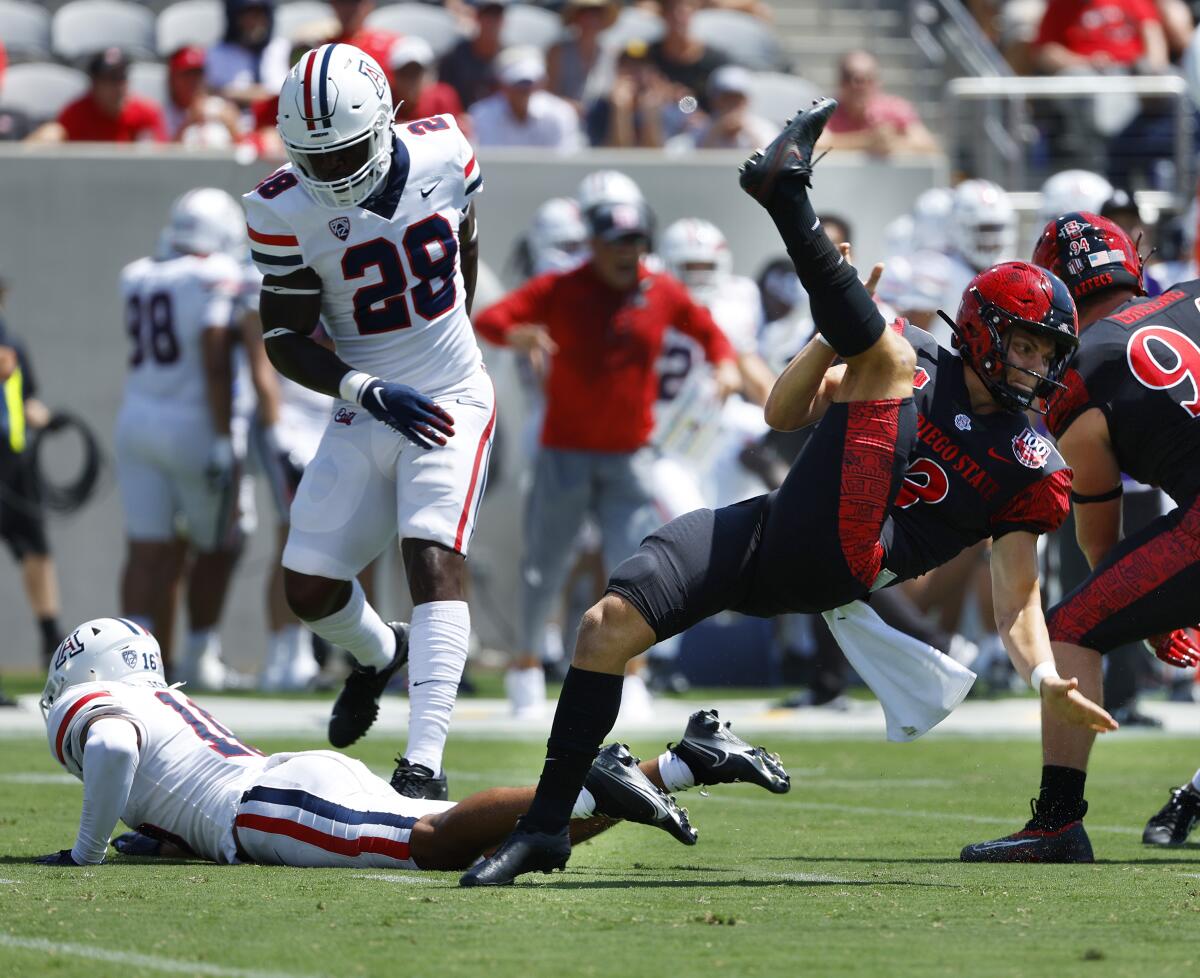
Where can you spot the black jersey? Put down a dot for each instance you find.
(1141, 367)
(970, 476)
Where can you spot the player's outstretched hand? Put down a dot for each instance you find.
(61, 858)
(221, 468)
(409, 412)
(1062, 698)
(876, 271)
(136, 844)
(1180, 648)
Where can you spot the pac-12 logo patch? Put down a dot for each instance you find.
(340, 226)
(1030, 449)
(962, 422)
(130, 658)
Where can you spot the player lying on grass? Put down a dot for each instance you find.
(918, 453)
(151, 757)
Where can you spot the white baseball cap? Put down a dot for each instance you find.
(411, 49)
(521, 65)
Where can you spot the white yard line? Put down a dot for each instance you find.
(150, 961)
(396, 878)
(38, 777)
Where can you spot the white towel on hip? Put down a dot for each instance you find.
(917, 685)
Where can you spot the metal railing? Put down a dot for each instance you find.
(952, 39)
(990, 130)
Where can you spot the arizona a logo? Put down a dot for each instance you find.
(340, 226)
(1030, 450)
(374, 76)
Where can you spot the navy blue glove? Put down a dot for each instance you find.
(407, 411)
(136, 844)
(61, 858)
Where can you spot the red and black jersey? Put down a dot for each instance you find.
(1141, 367)
(970, 476)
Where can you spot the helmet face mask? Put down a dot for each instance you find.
(103, 650)
(996, 306)
(983, 224)
(696, 253)
(335, 116)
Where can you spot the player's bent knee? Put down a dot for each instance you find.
(311, 597)
(611, 633)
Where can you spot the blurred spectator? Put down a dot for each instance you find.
(635, 110)
(352, 16)
(1178, 25)
(681, 57)
(837, 228)
(416, 93)
(755, 8)
(521, 114)
(574, 63)
(1123, 209)
(1100, 36)
(470, 66)
(107, 113)
(195, 116)
(869, 119)
(249, 63)
(732, 125)
(14, 124)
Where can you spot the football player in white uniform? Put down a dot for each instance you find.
(983, 232)
(178, 450)
(370, 229)
(151, 757)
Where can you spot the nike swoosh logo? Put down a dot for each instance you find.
(424, 682)
(430, 189)
(716, 758)
(994, 454)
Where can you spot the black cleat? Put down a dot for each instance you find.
(417, 781)
(357, 705)
(1039, 842)
(525, 851)
(789, 153)
(1175, 820)
(622, 791)
(716, 755)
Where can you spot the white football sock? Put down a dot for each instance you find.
(676, 775)
(1196, 782)
(437, 652)
(359, 630)
(526, 690)
(585, 805)
(203, 643)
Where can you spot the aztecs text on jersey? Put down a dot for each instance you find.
(392, 293)
(191, 769)
(970, 476)
(169, 303)
(1141, 367)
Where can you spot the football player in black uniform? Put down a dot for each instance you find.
(917, 455)
(1130, 403)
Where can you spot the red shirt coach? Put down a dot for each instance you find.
(603, 343)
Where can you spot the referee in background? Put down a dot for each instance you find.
(22, 522)
(599, 327)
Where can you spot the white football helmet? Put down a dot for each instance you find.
(696, 252)
(607, 187)
(103, 650)
(335, 120)
(915, 283)
(931, 219)
(1072, 190)
(205, 221)
(983, 224)
(558, 237)
(898, 235)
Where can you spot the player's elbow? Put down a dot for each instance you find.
(112, 747)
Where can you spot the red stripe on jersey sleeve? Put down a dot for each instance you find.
(271, 239)
(469, 168)
(62, 729)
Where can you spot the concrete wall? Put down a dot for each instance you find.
(71, 219)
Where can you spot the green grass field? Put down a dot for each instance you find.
(855, 872)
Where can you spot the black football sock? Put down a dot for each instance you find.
(842, 309)
(1061, 798)
(51, 636)
(587, 709)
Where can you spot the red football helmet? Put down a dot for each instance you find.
(1090, 253)
(1014, 294)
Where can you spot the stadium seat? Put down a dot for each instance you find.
(435, 24)
(149, 80)
(85, 26)
(526, 25)
(40, 90)
(742, 38)
(290, 17)
(189, 22)
(776, 97)
(633, 24)
(24, 29)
